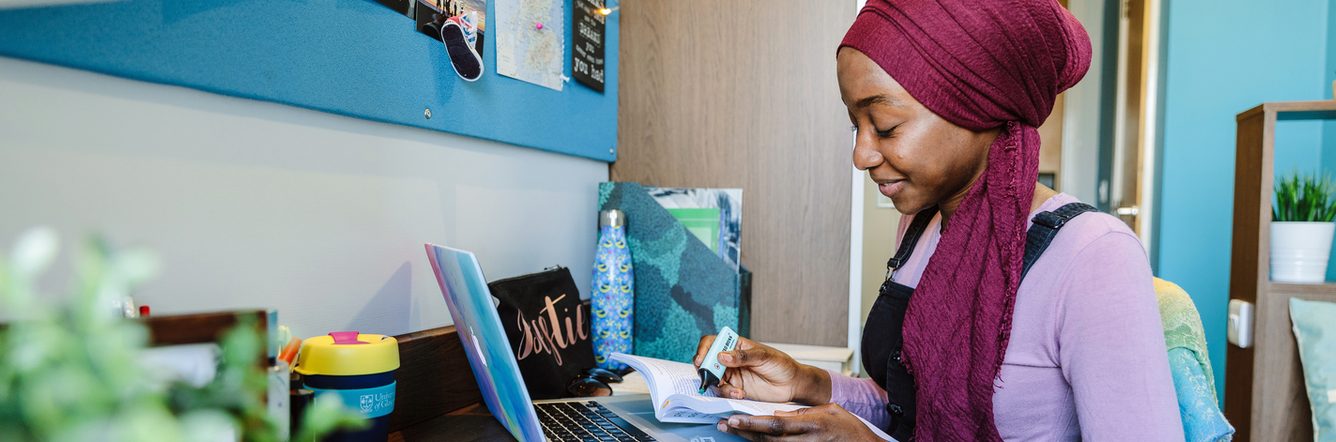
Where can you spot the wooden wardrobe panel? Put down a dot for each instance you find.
(743, 94)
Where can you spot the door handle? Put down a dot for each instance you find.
(1127, 211)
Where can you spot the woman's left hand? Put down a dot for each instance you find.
(820, 423)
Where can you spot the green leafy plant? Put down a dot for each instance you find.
(71, 366)
(1303, 197)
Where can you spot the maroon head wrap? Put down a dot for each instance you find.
(980, 64)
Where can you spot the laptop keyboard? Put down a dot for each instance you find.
(585, 421)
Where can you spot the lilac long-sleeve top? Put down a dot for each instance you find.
(1087, 357)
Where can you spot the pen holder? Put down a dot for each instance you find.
(356, 369)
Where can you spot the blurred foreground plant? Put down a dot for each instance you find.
(71, 370)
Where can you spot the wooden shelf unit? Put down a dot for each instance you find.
(1264, 390)
(1313, 292)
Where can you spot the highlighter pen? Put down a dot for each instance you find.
(711, 371)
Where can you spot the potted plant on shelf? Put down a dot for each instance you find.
(1301, 228)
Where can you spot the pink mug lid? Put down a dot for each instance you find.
(345, 338)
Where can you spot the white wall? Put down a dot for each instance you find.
(254, 204)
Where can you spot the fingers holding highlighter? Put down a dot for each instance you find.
(750, 370)
(710, 368)
(717, 364)
(743, 364)
(744, 369)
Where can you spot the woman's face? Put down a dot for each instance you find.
(916, 158)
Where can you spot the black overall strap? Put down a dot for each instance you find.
(1045, 228)
(1038, 238)
(907, 244)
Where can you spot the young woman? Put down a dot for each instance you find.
(975, 335)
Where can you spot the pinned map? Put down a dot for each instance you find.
(531, 41)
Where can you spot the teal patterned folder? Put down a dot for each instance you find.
(683, 290)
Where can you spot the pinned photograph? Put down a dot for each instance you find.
(460, 24)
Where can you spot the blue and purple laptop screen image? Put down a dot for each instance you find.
(485, 343)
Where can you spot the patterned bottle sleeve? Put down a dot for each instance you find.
(613, 297)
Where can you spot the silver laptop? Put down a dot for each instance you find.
(628, 417)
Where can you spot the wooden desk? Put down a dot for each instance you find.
(471, 423)
(436, 395)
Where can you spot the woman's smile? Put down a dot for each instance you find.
(890, 187)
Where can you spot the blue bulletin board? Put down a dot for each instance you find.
(348, 57)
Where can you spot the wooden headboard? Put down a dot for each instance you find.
(1265, 398)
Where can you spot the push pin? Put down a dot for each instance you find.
(538, 25)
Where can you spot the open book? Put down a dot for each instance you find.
(673, 389)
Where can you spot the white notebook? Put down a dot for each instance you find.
(673, 389)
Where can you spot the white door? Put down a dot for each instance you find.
(1129, 188)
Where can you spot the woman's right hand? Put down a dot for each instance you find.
(759, 372)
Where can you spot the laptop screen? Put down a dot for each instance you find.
(485, 343)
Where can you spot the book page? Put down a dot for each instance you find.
(673, 390)
(756, 408)
(703, 409)
(681, 408)
(665, 378)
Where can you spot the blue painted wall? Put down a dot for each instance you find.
(1329, 127)
(348, 57)
(1223, 57)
